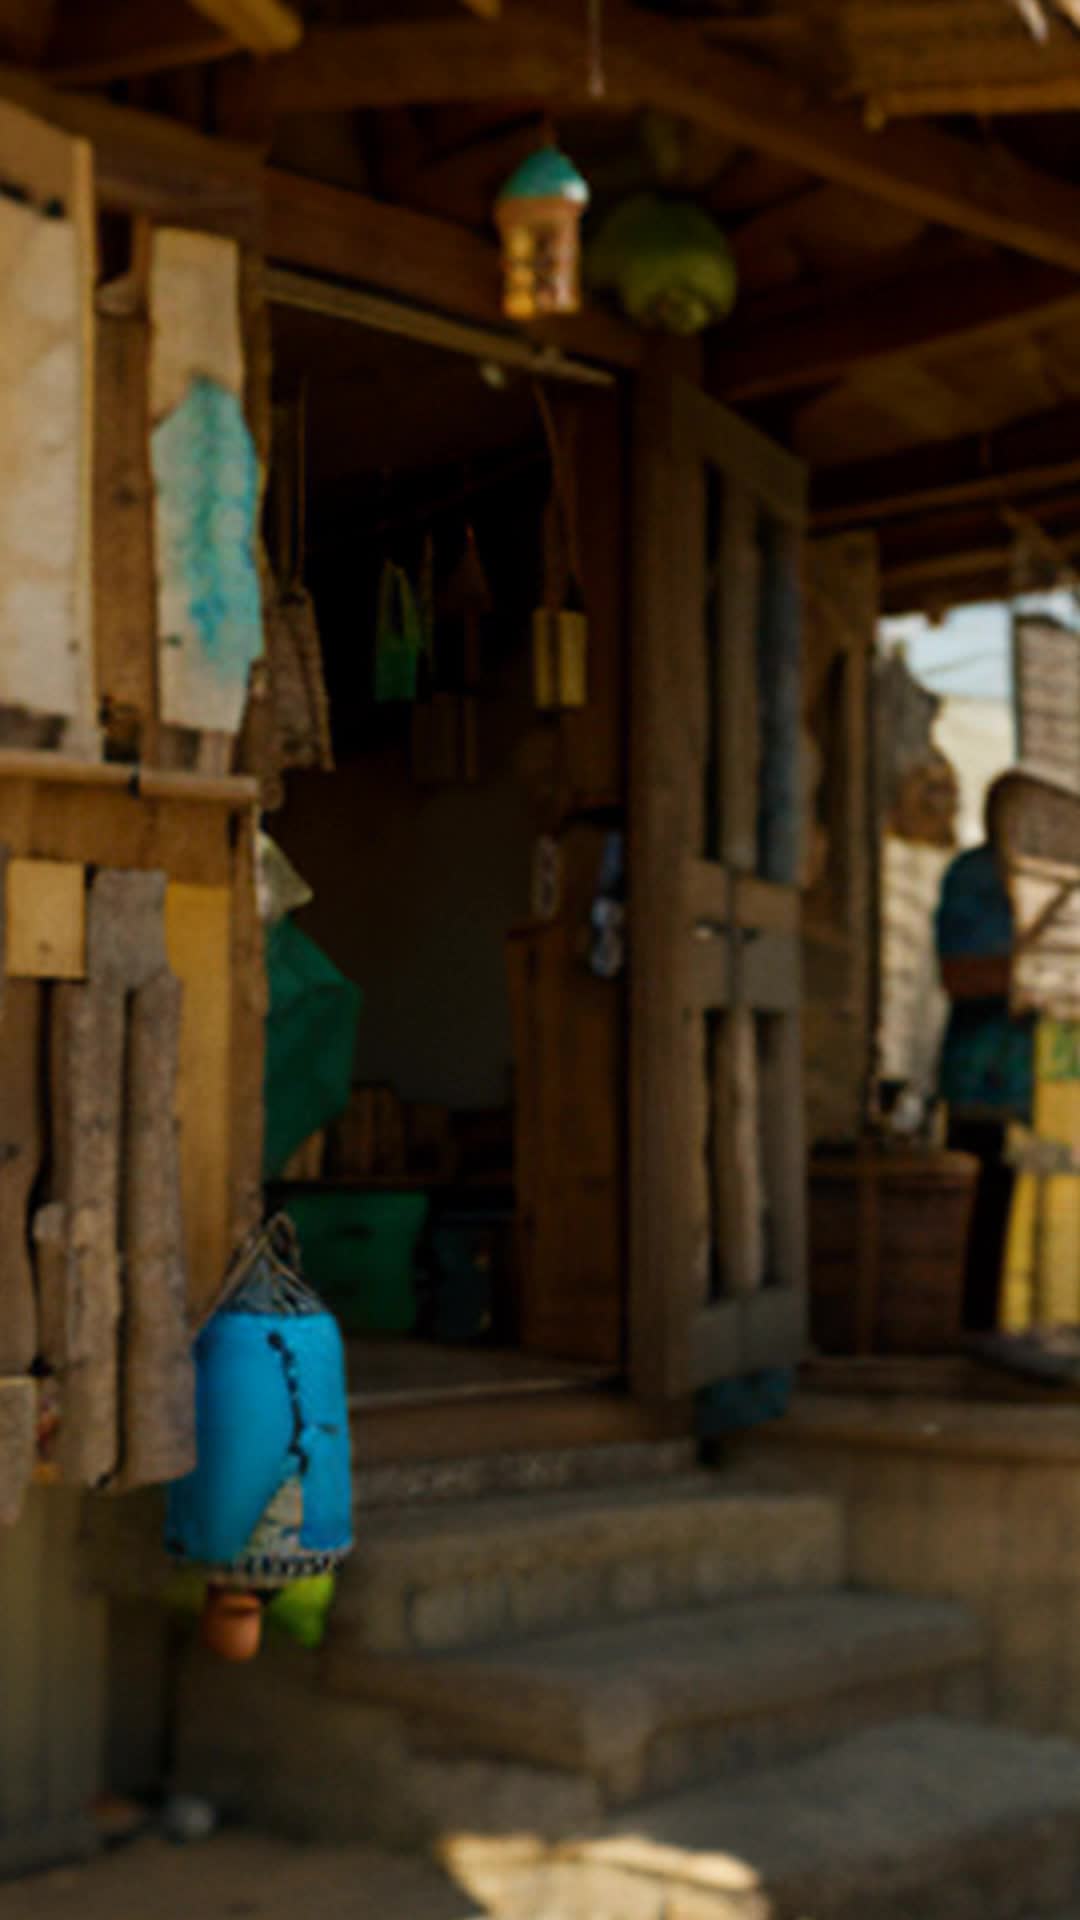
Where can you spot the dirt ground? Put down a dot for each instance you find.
(236, 1877)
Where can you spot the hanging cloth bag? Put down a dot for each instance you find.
(399, 637)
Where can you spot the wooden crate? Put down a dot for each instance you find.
(888, 1238)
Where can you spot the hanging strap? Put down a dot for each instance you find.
(565, 517)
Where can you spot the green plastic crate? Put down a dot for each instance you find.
(359, 1250)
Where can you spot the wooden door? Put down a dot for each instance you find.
(717, 1161)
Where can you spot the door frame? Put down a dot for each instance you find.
(705, 935)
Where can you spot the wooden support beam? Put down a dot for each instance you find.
(144, 163)
(928, 557)
(790, 343)
(484, 9)
(399, 63)
(262, 26)
(1026, 457)
(1053, 92)
(118, 39)
(324, 229)
(980, 61)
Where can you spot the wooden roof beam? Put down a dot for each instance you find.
(400, 63)
(326, 230)
(792, 343)
(939, 176)
(541, 52)
(940, 542)
(261, 26)
(144, 163)
(118, 39)
(1025, 457)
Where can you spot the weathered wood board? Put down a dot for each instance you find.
(83, 1264)
(207, 484)
(195, 305)
(47, 251)
(45, 920)
(158, 1385)
(21, 1143)
(125, 602)
(248, 1009)
(18, 1425)
(198, 930)
(1046, 695)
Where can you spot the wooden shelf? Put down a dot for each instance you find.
(148, 783)
(395, 1183)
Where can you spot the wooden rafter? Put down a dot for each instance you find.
(1026, 457)
(326, 230)
(262, 26)
(849, 325)
(116, 39)
(540, 52)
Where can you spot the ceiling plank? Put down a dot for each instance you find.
(118, 39)
(262, 26)
(484, 9)
(780, 345)
(542, 53)
(326, 230)
(1027, 456)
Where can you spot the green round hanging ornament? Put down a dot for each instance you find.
(538, 214)
(667, 263)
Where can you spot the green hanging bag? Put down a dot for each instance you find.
(399, 637)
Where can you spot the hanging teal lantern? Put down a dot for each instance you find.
(538, 214)
(266, 1517)
(667, 263)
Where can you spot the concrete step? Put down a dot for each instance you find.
(644, 1706)
(486, 1475)
(470, 1573)
(921, 1820)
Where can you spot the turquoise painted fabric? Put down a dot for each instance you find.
(988, 1057)
(206, 473)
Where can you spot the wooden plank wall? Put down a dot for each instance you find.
(206, 848)
(52, 1685)
(568, 1024)
(840, 897)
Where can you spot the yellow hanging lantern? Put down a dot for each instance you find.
(538, 214)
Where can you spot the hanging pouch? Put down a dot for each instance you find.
(399, 637)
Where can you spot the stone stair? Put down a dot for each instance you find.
(643, 1695)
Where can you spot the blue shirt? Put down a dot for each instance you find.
(988, 1059)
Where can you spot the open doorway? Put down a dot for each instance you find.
(463, 1214)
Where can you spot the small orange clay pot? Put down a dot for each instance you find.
(232, 1623)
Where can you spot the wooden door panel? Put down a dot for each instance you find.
(717, 1175)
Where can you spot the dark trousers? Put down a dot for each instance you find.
(985, 1260)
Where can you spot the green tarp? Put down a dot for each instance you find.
(310, 1042)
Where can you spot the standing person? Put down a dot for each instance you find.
(987, 1062)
